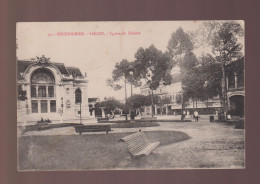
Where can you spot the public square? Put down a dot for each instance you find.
(184, 145)
(176, 99)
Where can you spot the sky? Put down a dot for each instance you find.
(95, 54)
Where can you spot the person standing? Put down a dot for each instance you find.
(196, 116)
(188, 114)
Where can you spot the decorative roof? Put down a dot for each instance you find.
(74, 71)
(22, 65)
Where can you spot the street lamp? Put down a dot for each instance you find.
(131, 103)
(61, 106)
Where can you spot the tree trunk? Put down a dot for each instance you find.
(193, 105)
(182, 107)
(125, 101)
(207, 105)
(152, 103)
(224, 87)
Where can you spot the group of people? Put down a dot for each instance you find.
(195, 115)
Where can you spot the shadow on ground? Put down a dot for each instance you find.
(89, 151)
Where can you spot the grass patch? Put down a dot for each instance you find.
(87, 151)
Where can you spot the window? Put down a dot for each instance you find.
(42, 91)
(33, 91)
(172, 98)
(78, 96)
(240, 78)
(51, 91)
(231, 81)
(34, 106)
(53, 105)
(44, 106)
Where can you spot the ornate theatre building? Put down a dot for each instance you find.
(51, 91)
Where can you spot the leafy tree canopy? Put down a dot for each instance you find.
(179, 45)
(123, 70)
(22, 94)
(153, 66)
(110, 104)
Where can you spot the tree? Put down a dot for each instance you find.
(154, 67)
(201, 80)
(22, 94)
(110, 104)
(122, 72)
(180, 45)
(223, 37)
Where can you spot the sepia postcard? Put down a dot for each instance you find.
(130, 95)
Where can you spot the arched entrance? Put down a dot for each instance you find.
(237, 105)
(43, 91)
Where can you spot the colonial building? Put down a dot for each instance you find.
(170, 97)
(53, 91)
(235, 94)
(236, 88)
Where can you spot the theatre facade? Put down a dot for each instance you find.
(50, 90)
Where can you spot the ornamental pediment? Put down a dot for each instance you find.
(43, 61)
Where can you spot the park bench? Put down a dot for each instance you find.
(103, 119)
(43, 125)
(92, 128)
(139, 145)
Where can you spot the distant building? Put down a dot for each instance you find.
(53, 91)
(91, 103)
(173, 93)
(236, 88)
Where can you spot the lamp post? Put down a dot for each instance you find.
(131, 103)
(61, 106)
(125, 101)
(61, 109)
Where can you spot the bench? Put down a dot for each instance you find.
(42, 125)
(92, 128)
(139, 145)
(103, 119)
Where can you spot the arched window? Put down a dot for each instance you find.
(43, 91)
(78, 96)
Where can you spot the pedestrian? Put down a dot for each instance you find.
(196, 116)
(188, 114)
(183, 114)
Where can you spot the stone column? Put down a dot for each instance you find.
(39, 106)
(236, 81)
(48, 106)
(93, 113)
(155, 109)
(47, 91)
(103, 112)
(37, 87)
